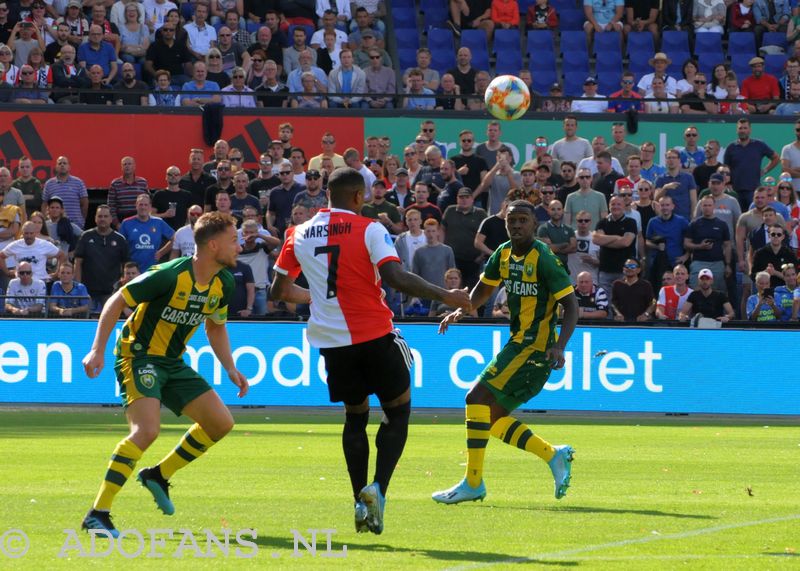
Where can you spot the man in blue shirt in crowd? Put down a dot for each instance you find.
(665, 234)
(145, 235)
(678, 185)
(68, 297)
(97, 52)
(744, 158)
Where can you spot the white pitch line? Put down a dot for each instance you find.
(625, 542)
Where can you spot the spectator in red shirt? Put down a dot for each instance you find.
(742, 17)
(505, 14)
(542, 16)
(624, 94)
(760, 86)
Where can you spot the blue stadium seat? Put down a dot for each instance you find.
(576, 62)
(404, 4)
(252, 27)
(539, 40)
(774, 39)
(674, 41)
(475, 40)
(404, 18)
(639, 63)
(187, 11)
(675, 69)
(440, 39)
(571, 20)
(561, 5)
(608, 64)
(741, 43)
(442, 60)
(708, 43)
(506, 41)
(573, 83)
(774, 64)
(542, 80)
(407, 38)
(435, 13)
(508, 62)
(741, 66)
(640, 43)
(607, 42)
(543, 61)
(137, 67)
(608, 82)
(573, 41)
(407, 58)
(707, 62)
(480, 60)
(309, 31)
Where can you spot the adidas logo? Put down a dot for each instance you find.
(258, 135)
(24, 134)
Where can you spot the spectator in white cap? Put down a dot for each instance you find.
(707, 301)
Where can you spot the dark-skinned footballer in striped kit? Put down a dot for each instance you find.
(170, 301)
(535, 281)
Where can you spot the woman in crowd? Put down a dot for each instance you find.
(390, 165)
(10, 71)
(788, 197)
(215, 71)
(686, 85)
(174, 18)
(717, 85)
(44, 74)
(163, 94)
(38, 220)
(134, 36)
(255, 75)
(310, 98)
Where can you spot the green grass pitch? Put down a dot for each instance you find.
(647, 493)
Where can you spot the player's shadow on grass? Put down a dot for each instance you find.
(287, 547)
(590, 509)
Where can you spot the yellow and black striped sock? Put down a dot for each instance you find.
(120, 468)
(513, 432)
(194, 444)
(479, 419)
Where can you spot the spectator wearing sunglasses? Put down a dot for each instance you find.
(632, 298)
(698, 101)
(625, 96)
(25, 293)
(237, 94)
(772, 257)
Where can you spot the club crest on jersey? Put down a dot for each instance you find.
(213, 301)
(148, 381)
(529, 270)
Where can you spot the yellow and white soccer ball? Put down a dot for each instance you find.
(507, 97)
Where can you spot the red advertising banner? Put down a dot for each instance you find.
(95, 142)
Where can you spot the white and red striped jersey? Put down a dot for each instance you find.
(339, 253)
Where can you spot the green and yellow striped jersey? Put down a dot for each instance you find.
(534, 283)
(170, 304)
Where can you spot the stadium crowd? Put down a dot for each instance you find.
(339, 54)
(641, 241)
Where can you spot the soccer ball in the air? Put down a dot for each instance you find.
(507, 97)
